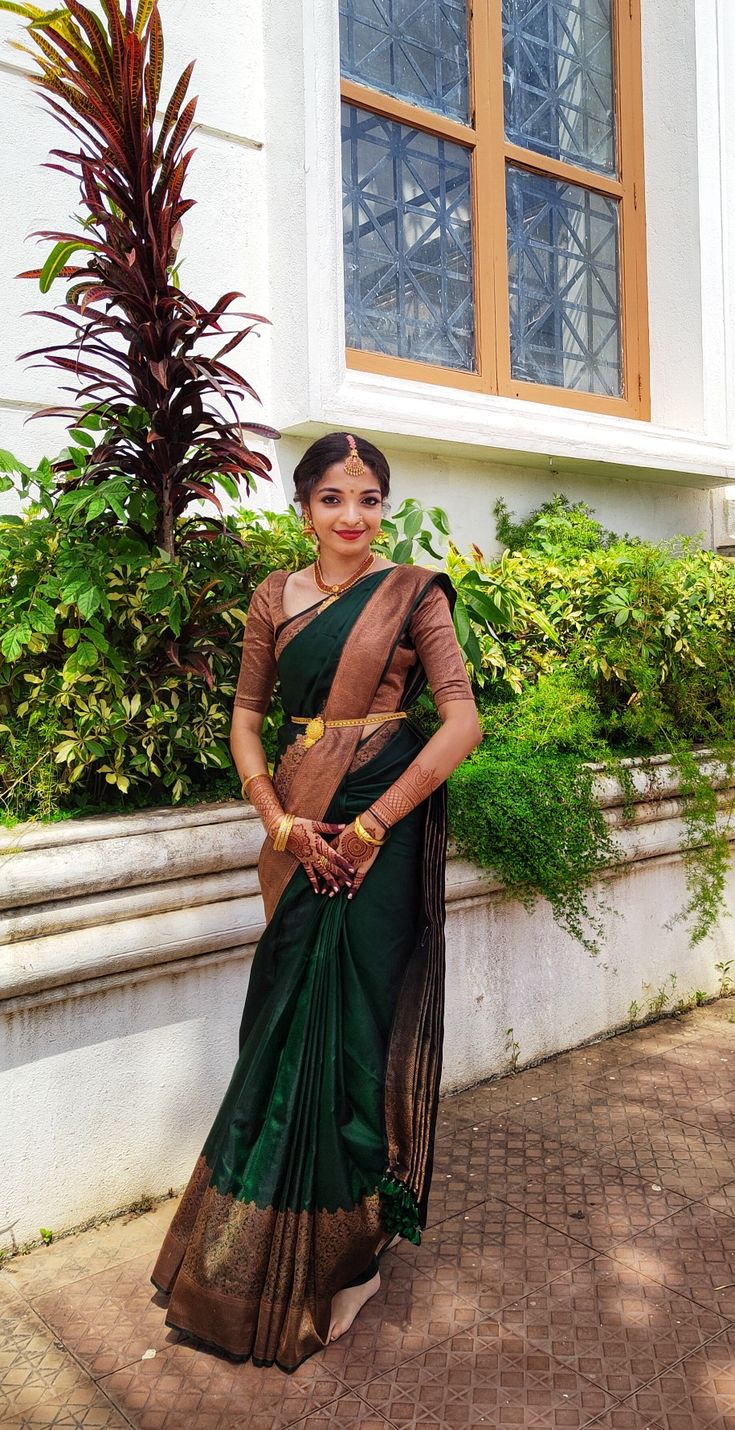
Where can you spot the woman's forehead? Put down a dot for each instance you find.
(335, 478)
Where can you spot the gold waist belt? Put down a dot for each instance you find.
(316, 726)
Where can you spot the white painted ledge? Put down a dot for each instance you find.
(427, 417)
(93, 898)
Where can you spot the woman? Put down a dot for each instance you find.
(320, 1156)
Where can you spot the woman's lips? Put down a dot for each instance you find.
(350, 535)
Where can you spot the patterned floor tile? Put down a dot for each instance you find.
(676, 1155)
(692, 1252)
(487, 1159)
(652, 1038)
(454, 1186)
(683, 1157)
(596, 1203)
(349, 1410)
(624, 1417)
(671, 1087)
(587, 1120)
(698, 1393)
(408, 1314)
(611, 1324)
(722, 1200)
(718, 1115)
(187, 1386)
(40, 1384)
(493, 1254)
(713, 1056)
(74, 1257)
(476, 1104)
(487, 1376)
(110, 1319)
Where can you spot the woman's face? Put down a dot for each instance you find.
(345, 512)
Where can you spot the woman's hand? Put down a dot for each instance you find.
(362, 856)
(306, 842)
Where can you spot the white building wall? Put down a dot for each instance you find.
(267, 222)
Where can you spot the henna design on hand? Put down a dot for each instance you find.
(305, 839)
(306, 842)
(360, 854)
(414, 785)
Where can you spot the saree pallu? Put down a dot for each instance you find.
(322, 1148)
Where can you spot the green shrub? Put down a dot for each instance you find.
(588, 646)
(118, 665)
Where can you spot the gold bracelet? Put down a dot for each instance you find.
(363, 834)
(285, 825)
(248, 780)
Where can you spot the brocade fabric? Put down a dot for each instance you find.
(430, 639)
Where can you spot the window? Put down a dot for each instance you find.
(494, 230)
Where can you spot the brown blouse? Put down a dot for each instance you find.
(430, 638)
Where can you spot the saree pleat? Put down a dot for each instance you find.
(322, 1146)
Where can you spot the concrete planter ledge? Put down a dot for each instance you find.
(126, 945)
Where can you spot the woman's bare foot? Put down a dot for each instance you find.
(347, 1303)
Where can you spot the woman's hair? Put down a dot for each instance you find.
(334, 448)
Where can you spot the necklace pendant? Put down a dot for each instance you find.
(326, 603)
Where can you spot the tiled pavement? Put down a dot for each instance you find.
(578, 1269)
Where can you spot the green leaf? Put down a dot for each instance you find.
(461, 621)
(412, 524)
(88, 601)
(440, 519)
(14, 641)
(84, 439)
(43, 617)
(472, 649)
(402, 552)
(97, 639)
(59, 257)
(156, 580)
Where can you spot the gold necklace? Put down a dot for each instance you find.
(334, 590)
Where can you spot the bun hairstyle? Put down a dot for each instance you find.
(335, 448)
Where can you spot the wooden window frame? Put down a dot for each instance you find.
(490, 155)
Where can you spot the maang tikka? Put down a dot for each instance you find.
(354, 465)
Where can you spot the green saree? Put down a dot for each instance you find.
(322, 1148)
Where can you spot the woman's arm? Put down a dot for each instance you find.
(460, 732)
(435, 640)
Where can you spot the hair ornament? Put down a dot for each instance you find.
(354, 465)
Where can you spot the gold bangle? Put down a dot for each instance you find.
(363, 834)
(285, 825)
(248, 780)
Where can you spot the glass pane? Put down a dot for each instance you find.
(416, 49)
(407, 242)
(558, 79)
(564, 285)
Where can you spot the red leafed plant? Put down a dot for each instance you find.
(163, 408)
